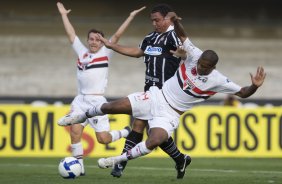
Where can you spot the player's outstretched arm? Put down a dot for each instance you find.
(257, 81)
(68, 27)
(178, 27)
(128, 51)
(115, 38)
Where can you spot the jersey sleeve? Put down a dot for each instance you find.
(193, 52)
(227, 86)
(143, 45)
(79, 48)
(176, 41)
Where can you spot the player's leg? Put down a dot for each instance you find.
(103, 133)
(76, 145)
(141, 109)
(107, 137)
(120, 106)
(156, 137)
(181, 160)
(76, 131)
(134, 137)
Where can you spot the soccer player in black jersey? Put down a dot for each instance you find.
(160, 66)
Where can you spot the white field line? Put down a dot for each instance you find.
(149, 168)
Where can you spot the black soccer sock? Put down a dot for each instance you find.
(171, 149)
(132, 139)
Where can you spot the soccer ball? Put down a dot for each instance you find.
(69, 167)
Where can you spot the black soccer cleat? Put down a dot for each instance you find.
(180, 168)
(117, 170)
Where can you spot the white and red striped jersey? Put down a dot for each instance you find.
(92, 69)
(187, 87)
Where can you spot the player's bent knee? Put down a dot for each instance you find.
(139, 125)
(153, 143)
(103, 137)
(157, 137)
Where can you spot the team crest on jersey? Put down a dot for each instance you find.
(187, 85)
(194, 71)
(153, 51)
(85, 56)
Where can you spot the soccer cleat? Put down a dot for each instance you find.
(82, 174)
(72, 119)
(181, 167)
(117, 170)
(104, 163)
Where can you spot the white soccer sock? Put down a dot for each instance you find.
(77, 152)
(95, 111)
(139, 150)
(117, 134)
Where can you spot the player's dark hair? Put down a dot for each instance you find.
(95, 31)
(211, 56)
(163, 9)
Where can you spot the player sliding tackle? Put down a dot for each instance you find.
(195, 81)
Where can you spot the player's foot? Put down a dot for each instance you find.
(104, 163)
(117, 170)
(181, 167)
(82, 174)
(71, 119)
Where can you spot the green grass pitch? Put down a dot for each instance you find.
(146, 171)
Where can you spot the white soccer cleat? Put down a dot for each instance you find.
(104, 163)
(72, 119)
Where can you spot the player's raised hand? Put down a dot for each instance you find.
(62, 9)
(135, 12)
(179, 52)
(104, 40)
(172, 16)
(258, 79)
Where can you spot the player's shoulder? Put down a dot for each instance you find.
(151, 34)
(218, 77)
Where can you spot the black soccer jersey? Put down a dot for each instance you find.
(160, 63)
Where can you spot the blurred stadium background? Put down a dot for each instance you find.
(37, 60)
(38, 67)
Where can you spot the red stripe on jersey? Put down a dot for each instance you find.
(105, 58)
(184, 76)
(78, 62)
(183, 72)
(198, 91)
(195, 89)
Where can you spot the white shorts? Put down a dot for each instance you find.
(153, 107)
(82, 103)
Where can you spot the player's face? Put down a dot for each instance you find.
(159, 22)
(94, 43)
(204, 67)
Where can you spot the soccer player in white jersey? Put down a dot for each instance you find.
(195, 81)
(92, 76)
